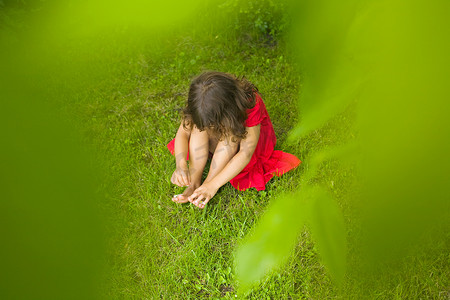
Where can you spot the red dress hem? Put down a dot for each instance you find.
(283, 164)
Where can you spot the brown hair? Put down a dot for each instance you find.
(219, 101)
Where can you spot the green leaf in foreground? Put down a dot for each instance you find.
(272, 240)
(327, 226)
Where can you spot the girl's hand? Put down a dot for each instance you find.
(181, 176)
(201, 196)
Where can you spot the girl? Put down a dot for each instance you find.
(225, 117)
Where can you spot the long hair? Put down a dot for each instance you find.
(218, 101)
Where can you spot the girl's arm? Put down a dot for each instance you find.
(181, 175)
(236, 164)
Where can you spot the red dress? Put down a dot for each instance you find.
(265, 162)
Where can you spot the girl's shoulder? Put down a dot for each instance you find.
(255, 114)
(258, 97)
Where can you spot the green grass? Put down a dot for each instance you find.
(162, 250)
(125, 89)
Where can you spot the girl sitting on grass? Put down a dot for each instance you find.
(225, 117)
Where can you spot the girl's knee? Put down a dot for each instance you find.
(198, 142)
(197, 131)
(230, 147)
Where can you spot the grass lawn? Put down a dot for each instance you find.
(124, 89)
(163, 250)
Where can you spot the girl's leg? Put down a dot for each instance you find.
(198, 155)
(223, 153)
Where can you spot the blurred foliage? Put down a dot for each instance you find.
(391, 59)
(51, 53)
(388, 58)
(272, 241)
(52, 232)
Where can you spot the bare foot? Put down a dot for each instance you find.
(183, 198)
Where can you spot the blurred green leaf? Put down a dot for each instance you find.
(328, 230)
(391, 59)
(273, 239)
(320, 35)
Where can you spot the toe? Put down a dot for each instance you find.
(202, 204)
(198, 202)
(179, 199)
